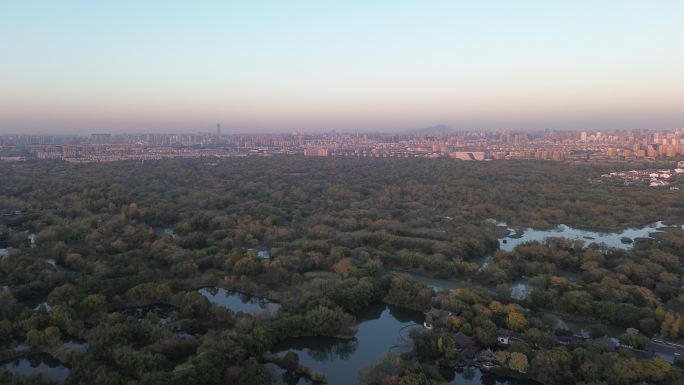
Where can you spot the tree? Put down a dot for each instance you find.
(485, 335)
(518, 362)
(552, 366)
(638, 341)
(446, 345)
(404, 291)
(598, 330)
(656, 369)
(94, 303)
(53, 337)
(6, 329)
(344, 267)
(291, 361)
(516, 321)
(66, 294)
(388, 369)
(34, 338)
(253, 373)
(414, 377)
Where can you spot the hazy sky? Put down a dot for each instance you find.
(256, 65)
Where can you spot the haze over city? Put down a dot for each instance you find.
(170, 66)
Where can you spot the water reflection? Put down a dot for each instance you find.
(238, 302)
(41, 363)
(378, 331)
(323, 349)
(471, 375)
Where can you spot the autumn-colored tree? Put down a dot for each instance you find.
(516, 321)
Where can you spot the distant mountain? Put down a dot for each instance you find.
(438, 129)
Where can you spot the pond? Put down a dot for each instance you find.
(380, 329)
(40, 363)
(238, 302)
(620, 240)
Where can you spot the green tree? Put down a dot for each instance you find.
(518, 362)
(291, 361)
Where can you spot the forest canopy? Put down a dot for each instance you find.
(112, 256)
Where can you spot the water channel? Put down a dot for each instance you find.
(621, 240)
(238, 302)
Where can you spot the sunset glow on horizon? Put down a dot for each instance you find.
(277, 66)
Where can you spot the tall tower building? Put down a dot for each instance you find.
(218, 129)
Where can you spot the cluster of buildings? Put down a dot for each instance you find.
(464, 145)
(653, 178)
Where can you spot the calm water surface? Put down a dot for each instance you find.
(43, 364)
(380, 329)
(238, 302)
(611, 239)
(473, 376)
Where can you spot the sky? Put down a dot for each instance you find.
(171, 66)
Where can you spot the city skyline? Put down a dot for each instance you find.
(573, 146)
(168, 67)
